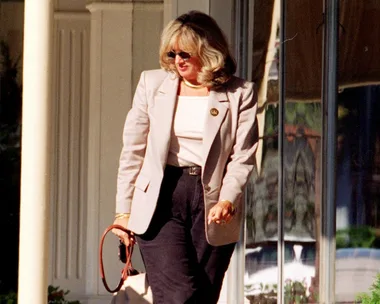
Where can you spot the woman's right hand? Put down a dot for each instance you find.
(127, 238)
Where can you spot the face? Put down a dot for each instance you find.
(187, 65)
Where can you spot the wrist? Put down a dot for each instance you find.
(231, 205)
(122, 215)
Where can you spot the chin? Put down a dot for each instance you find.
(188, 76)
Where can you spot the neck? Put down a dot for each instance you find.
(190, 85)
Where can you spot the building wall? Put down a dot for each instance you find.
(99, 50)
(70, 148)
(11, 27)
(70, 5)
(124, 41)
(115, 66)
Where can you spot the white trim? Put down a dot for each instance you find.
(93, 182)
(54, 158)
(109, 6)
(149, 6)
(71, 15)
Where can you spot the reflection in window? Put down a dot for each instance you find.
(301, 156)
(261, 271)
(358, 152)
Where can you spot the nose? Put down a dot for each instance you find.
(178, 59)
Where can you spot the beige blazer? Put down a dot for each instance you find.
(229, 143)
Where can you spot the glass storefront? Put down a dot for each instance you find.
(358, 149)
(288, 253)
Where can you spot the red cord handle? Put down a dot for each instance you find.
(128, 265)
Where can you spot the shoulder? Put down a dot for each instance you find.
(157, 73)
(154, 78)
(241, 89)
(241, 85)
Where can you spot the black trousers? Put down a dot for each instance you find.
(181, 266)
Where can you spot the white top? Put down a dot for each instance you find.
(187, 132)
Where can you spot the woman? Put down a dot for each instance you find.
(189, 143)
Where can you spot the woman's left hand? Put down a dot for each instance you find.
(221, 213)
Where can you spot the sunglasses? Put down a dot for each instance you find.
(184, 55)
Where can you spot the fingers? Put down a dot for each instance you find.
(127, 238)
(218, 219)
(222, 213)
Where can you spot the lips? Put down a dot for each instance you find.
(182, 68)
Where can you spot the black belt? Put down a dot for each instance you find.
(190, 170)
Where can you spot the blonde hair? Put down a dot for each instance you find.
(200, 35)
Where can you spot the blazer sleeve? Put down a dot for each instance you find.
(135, 133)
(242, 159)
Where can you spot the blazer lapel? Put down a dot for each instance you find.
(217, 108)
(164, 103)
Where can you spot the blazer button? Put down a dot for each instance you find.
(214, 112)
(206, 188)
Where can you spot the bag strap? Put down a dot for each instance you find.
(128, 264)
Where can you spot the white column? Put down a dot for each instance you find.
(34, 210)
